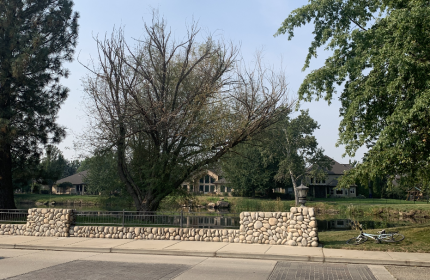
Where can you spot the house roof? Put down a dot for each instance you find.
(338, 168)
(415, 188)
(332, 183)
(221, 181)
(217, 171)
(75, 179)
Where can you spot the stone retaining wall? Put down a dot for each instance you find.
(42, 222)
(294, 228)
(297, 227)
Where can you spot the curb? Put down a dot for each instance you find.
(295, 258)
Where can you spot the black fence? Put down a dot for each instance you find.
(160, 219)
(15, 216)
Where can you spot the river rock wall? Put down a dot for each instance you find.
(295, 228)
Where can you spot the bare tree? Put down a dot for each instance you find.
(169, 109)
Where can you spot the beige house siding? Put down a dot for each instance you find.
(327, 186)
(351, 192)
(207, 182)
(67, 190)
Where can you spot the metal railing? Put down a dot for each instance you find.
(163, 219)
(16, 216)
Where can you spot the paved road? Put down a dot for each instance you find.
(49, 265)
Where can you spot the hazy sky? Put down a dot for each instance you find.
(249, 23)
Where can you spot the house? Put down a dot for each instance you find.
(209, 181)
(322, 188)
(77, 184)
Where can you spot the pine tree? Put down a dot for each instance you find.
(36, 36)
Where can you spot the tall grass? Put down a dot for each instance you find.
(249, 204)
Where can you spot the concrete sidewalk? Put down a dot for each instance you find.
(214, 249)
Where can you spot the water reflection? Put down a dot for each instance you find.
(223, 218)
(211, 222)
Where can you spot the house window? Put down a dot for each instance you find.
(184, 187)
(191, 188)
(340, 223)
(212, 180)
(207, 179)
(317, 181)
(331, 191)
(312, 180)
(206, 188)
(201, 188)
(323, 181)
(202, 180)
(222, 188)
(339, 191)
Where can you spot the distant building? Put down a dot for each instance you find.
(77, 181)
(209, 181)
(321, 188)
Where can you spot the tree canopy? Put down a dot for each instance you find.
(168, 109)
(102, 176)
(52, 166)
(36, 37)
(249, 170)
(297, 150)
(381, 61)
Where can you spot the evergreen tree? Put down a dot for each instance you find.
(71, 168)
(36, 36)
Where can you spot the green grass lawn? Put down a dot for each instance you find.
(330, 205)
(239, 204)
(373, 201)
(417, 239)
(59, 198)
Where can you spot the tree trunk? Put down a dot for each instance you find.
(6, 187)
(296, 198)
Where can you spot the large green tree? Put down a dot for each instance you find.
(71, 167)
(168, 109)
(297, 151)
(381, 61)
(248, 170)
(36, 36)
(287, 153)
(102, 176)
(52, 166)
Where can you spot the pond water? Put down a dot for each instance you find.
(211, 218)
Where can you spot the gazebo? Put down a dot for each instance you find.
(414, 194)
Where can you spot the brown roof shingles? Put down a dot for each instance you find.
(75, 179)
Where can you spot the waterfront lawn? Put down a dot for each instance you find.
(58, 198)
(373, 201)
(331, 205)
(416, 240)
